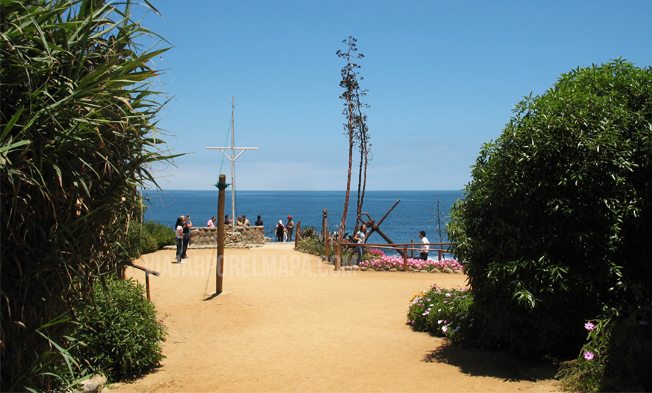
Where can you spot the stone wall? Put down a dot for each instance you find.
(245, 235)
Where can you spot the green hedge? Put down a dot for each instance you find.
(147, 237)
(555, 224)
(118, 331)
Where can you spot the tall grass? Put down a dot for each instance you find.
(78, 133)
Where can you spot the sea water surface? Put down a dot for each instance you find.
(416, 211)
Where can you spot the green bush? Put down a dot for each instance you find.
(134, 239)
(148, 243)
(556, 221)
(162, 234)
(315, 245)
(443, 312)
(618, 353)
(119, 332)
(148, 237)
(308, 232)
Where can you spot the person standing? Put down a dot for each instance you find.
(279, 231)
(360, 237)
(178, 233)
(186, 236)
(212, 223)
(290, 228)
(423, 253)
(245, 221)
(259, 222)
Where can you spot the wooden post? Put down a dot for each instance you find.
(147, 285)
(439, 254)
(220, 235)
(297, 234)
(327, 245)
(338, 255)
(412, 249)
(405, 265)
(324, 223)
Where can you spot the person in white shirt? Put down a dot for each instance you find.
(360, 237)
(423, 253)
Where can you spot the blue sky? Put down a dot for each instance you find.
(442, 79)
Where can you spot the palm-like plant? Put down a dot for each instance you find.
(78, 131)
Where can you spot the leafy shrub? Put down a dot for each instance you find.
(119, 329)
(617, 356)
(135, 237)
(386, 263)
(162, 234)
(315, 245)
(555, 224)
(308, 232)
(442, 312)
(147, 237)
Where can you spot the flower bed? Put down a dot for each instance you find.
(442, 312)
(385, 263)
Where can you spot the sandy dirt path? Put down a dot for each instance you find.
(286, 322)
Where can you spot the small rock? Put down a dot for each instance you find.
(363, 269)
(393, 269)
(93, 384)
(448, 270)
(435, 271)
(423, 271)
(458, 271)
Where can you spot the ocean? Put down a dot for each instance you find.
(416, 211)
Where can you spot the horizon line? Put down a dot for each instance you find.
(352, 191)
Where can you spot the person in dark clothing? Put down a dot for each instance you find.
(280, 229)
(259, 222)
(186, 236)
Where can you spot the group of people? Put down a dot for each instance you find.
(241, 222)
(284, 232)
(182, 236)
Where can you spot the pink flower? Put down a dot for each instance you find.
(588, 355)
(589, 326)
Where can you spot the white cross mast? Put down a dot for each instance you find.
(232, 158)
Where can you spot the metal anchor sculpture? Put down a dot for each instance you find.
(374, 227)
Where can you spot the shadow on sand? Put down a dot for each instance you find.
(503, 365)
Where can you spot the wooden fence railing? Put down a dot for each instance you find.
(405, 247)
(147, 273)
